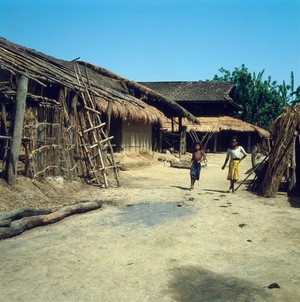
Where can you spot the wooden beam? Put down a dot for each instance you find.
(18, 127)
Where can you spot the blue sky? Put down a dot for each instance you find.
(162, 40)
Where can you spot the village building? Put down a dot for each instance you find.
(68, 117)
(213, 103)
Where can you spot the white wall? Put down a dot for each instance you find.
(136, 136)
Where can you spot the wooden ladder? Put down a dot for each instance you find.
(96, 144)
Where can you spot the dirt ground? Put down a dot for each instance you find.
(154, 240)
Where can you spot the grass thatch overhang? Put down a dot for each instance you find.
(197, 91)
(148, 95)
(130, 100)
(221, 123)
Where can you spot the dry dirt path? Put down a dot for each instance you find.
(161, 243)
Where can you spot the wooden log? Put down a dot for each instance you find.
(19, 226)
(18, 126)
(23, 212)
(5, 223)
(181, 164)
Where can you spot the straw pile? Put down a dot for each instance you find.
(284, 132)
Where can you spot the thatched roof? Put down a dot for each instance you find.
(130, 100)
(221, 92)
(222, 123)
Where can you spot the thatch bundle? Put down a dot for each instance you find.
(285, 133)
(139, 111)
(214, 124)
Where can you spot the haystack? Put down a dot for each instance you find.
(284, 158)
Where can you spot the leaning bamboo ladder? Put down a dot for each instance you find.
(93, 138)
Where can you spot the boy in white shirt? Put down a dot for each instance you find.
(236, 154)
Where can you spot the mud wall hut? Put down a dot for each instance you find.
(214, 106)
(63, 114)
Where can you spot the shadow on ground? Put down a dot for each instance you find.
(152, 214)
(218, 191)
(294, 201)
(182, 188)
(193, 283)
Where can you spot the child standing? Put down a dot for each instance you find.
(236, 154)
(198, 156)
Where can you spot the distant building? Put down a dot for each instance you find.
(214, 106)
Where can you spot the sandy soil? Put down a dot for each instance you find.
(155, 240)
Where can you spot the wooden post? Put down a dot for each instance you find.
(180, 123)
(215, 142)
(160, 140)
(249, 142)
(292, 178)
(3, 119)
(182, 150)
(73, 137)
(108, 117)
(4, 143)
(18, 127)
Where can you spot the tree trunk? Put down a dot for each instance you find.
(18, 127)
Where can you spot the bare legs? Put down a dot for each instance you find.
(192, 182)
(231, 188)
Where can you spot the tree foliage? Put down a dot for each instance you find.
(262, 100)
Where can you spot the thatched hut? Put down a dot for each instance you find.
(68, 116)
(214, 106)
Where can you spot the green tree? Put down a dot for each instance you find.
(262, 100)
(294, 94)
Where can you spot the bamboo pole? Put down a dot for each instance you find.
(18, 126)
(4, 143)
(93, 128)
